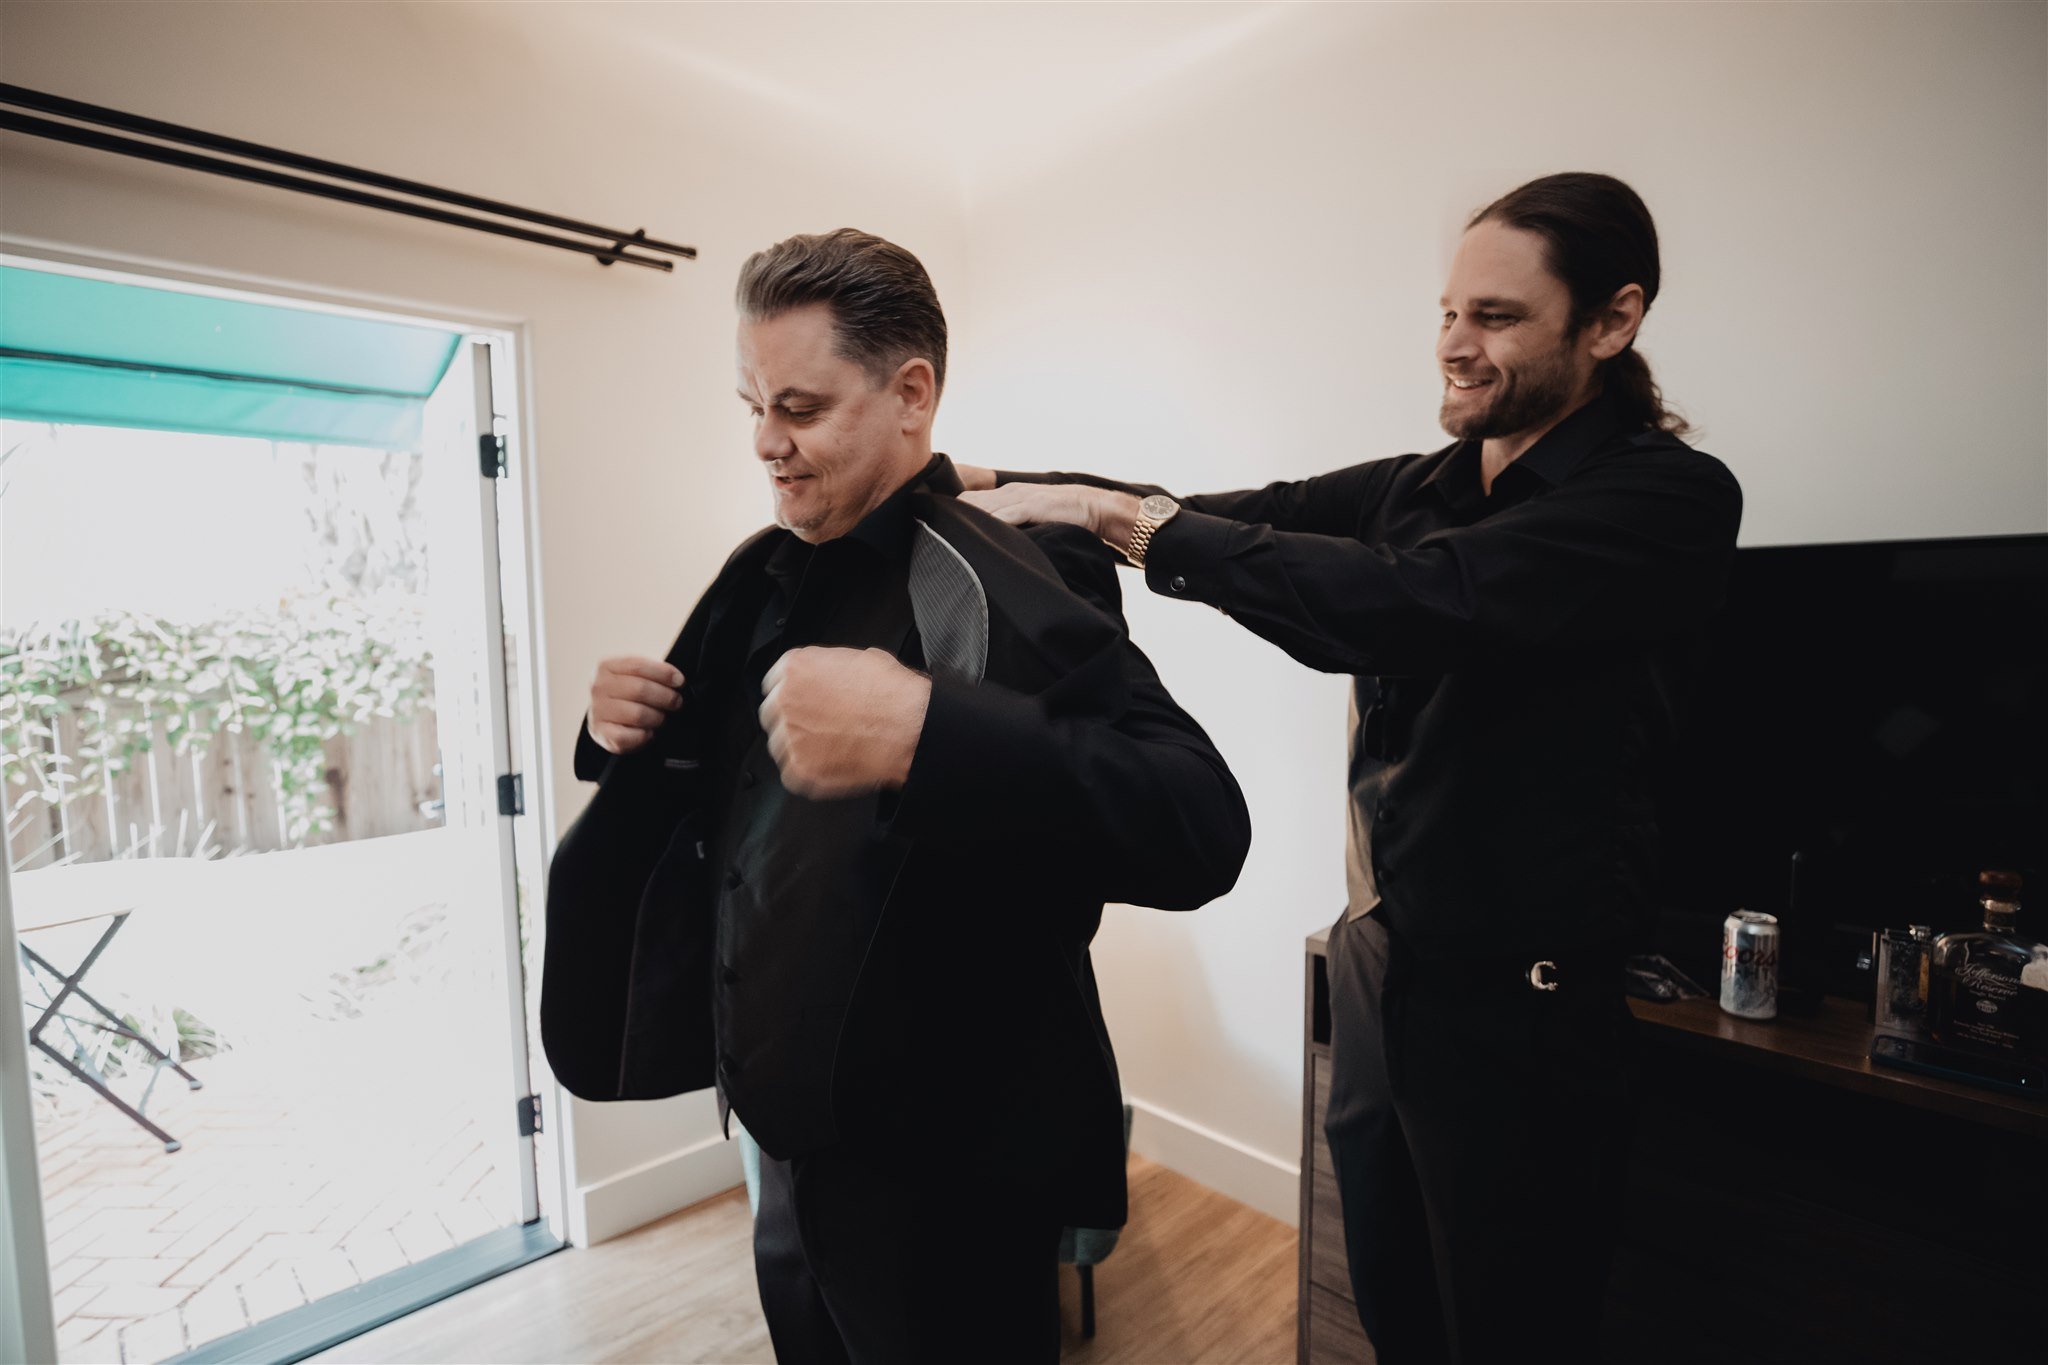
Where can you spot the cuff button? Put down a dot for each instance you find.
(1178, 583)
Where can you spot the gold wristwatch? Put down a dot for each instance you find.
(1153, 513)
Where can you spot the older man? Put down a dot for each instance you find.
(784, 883)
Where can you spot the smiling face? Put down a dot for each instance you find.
(834, 442)
(1511, 361)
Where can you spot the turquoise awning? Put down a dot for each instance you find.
(99, 353)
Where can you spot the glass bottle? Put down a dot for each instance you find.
(1902, 979)
(1974, 979)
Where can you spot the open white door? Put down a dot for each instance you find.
(28, 1329)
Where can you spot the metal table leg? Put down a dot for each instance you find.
(52, 1013)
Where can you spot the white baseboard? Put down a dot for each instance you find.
(1265, 1182)
(657, 1188)
(631, 1199)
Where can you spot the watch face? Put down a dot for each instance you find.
(1157, 507)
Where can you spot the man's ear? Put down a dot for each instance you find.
(1615, 326)
(916, 387)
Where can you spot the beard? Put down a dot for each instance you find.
(1521, 399)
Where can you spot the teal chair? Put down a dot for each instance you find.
(1081, 1248)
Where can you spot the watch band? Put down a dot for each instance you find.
(1141, 540)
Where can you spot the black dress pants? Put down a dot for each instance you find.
(865, 1259)
(1479, 1130)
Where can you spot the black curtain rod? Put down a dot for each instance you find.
(618, 250)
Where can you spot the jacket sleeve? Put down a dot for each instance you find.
(1138, 809)
(591, 757)
(1635, 552)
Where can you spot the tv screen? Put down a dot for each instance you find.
(1880, 709)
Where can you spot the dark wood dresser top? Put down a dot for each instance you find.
(1831, 1047)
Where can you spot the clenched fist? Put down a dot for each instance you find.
(630, 699)
(842, 722)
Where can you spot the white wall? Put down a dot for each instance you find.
(1237, 282)
(1220, 266)
(645, 480)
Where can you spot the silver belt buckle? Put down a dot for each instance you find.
(1536, 977)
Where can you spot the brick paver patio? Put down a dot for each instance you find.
(302, 1173)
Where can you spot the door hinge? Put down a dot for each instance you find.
(511, 794)
(491, 456)
(529, 1115)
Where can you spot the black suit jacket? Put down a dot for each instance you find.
(1065, 778)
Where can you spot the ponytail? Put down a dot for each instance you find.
(1627, 382)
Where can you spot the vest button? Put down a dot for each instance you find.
(1178, 583)
(733, 879)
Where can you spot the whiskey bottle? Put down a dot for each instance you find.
(1974, 998)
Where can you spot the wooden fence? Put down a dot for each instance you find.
(224, 795)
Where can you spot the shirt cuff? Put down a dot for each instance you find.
(1185, 554)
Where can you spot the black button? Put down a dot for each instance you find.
(733, 879)
(746, 779)
(728, 976)
(1381, 874)
(727, 1065)
(1386, 812)
(1178, 583)
(781, 621)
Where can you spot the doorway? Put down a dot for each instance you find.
(266, 687)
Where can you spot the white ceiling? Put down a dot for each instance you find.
(994, 87)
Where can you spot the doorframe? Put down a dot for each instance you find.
(522, 468)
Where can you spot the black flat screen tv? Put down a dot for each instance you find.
(1880, 709)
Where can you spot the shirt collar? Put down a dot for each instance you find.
(1552, 459)
(887, 530)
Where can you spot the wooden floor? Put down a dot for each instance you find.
(1196, 1278)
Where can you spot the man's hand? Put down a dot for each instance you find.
(1104, 512)
(842, 722)
(630, 699)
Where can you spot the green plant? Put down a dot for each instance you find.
(315, 668)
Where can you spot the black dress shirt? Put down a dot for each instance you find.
(1518, 659)
(777, 1012)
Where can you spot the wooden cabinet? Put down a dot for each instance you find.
(1788, 1201)
(1327, 1330)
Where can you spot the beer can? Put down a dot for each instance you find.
(1749, 965)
